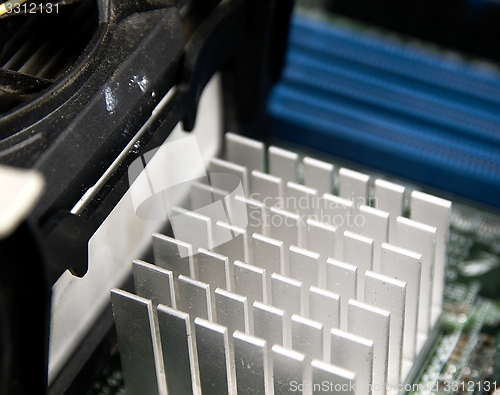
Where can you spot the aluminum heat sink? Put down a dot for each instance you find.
(297, 287)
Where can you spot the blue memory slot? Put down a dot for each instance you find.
(389, 134)
(383, 104)
(429, 134)
(329, 77)
(471, 100)
(397, 57)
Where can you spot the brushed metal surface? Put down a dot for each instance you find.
(236, 249)
(358, 251)
(195, 298)
(215, 358)
(304, 266)
(436, 212)
(268, 254)
(174, 255)
(302, 200)
(338, 380)
(266, 188)
(372, 323)
(194, 228)
(341, 278)
(338, 212)
(307, 336)
(283, 164)
(405, 266)
(389, 197)
(375, 225)
(245, 152)
(324, 307)
(255, 213)
(289, 368)
(354, 353)
(323, 239)
(154, 283)
(217, 165)
(140, 352)
(286, 226)
(180, 358)
(318, 175)
(202, 194)
(214, 269)
(287, 295)
(252, 282)
(269, 323)
(390, 294)
(251, 358)
(420, 238)
(353, 186)
(232, 311)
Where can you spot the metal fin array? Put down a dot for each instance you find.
(316, 286)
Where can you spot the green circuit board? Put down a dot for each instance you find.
(111, 380)
(465, 358)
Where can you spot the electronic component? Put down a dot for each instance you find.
(288, 266)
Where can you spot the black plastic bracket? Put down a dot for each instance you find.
(230, 39)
